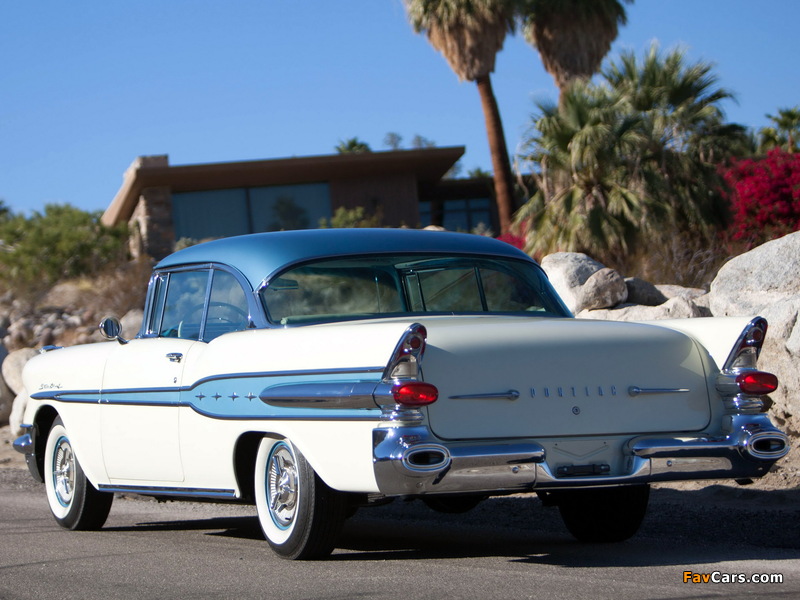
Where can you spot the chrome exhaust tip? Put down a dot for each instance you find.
(426, 458)
(766, 445)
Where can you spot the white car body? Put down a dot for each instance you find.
(262, 392)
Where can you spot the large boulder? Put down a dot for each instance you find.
(132, 322)
(673, 291)
(643, 292)
(12, 367)
(6, 395)
(604, 288)
(17, 413)
(674, 308)
(757, 279)
(766, 282)
(568, 271)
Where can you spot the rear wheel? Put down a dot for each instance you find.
(300, 515)
(73, 500)
(603, 514)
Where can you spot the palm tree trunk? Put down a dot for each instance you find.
(503, 183)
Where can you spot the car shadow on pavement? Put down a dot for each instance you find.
(235, 527)
(717, 523)
(681, 527)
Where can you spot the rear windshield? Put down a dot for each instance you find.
(366, 287)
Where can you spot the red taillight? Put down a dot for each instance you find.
(415, 393)
(757, 382)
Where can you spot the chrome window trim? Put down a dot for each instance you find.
(467, 257)
(255, 312)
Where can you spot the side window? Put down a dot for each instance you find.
(184, 303)
(227, 310)
(451, 290)
(506, 293)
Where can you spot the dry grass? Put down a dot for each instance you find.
(681, 260)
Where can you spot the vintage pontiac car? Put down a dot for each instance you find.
(313, 372)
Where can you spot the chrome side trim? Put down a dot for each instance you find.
(168, 491)
(637, 391)
(372, 415)
(60, 396)
(335, 394)
(298, 373)
(509, 395)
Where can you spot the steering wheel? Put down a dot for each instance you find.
(243, 317)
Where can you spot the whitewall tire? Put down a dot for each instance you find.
(300, 516)
(73, 500)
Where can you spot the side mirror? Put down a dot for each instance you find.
(111, 329)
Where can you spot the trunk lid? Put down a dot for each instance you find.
(531, 377)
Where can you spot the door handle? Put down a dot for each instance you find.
(175, 357)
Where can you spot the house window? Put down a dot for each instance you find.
(224, 213)
(459, 215)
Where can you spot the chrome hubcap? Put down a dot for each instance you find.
(282, 486)
(64, 472)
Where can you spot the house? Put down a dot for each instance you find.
(165, 203)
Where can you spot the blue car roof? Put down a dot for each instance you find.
(257, 256)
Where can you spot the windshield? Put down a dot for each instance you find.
(366, 287)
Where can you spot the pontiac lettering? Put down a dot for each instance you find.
(573, 391)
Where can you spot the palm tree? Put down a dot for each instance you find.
(588, 197)
(679, 106)
(572, 36)
(785, 132)
(636, 156)
(469, 34)
(352, 145)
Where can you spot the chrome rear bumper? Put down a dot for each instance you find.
(410, 460)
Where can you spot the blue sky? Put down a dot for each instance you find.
(86, 86)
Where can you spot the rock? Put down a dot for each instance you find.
(17, 413)
(644, 292)
(5, 321)
(132, 322)
(46, 337)
(766, 275)
(604, 288)
(674, 308)
(6, 395)
(568, 271)
(68, 294)
(12, 367)
(20, 332)
(703, 302)
(674, 291)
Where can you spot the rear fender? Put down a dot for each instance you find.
(718, 335)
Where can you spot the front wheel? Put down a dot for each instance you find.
(300, 515)
(603, 514)
(73, 500)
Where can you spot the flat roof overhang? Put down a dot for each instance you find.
(429, 165)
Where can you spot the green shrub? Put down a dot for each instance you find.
(61, 242)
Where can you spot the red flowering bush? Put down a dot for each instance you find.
(518, 241)
(765, 196)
